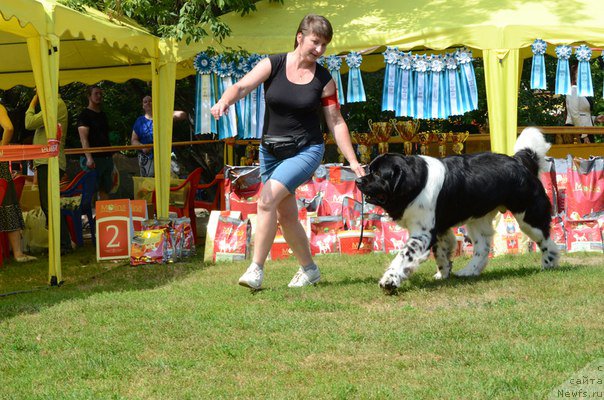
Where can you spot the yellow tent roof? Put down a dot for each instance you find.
(93, 46)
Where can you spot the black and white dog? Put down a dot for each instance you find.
(429, 196)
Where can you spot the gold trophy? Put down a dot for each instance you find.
(364, 140)
(382, 132)
(251, 154)
(442, 138)
(458, 139)
(406, 130)
(424, 140)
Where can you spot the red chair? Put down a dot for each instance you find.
(19, 182)
(3, 185)
(84, 184)
(188, 209)
(216, 204)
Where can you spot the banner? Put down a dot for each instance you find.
(30, 151)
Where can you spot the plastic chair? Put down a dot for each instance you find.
(188, 209)
(216, 204)
(84, 184)
(3, 186)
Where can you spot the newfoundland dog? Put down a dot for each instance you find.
(429, 196)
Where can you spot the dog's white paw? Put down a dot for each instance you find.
(440, 276)
(467, 271)
(390, 281)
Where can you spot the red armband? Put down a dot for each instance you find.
(330, 100)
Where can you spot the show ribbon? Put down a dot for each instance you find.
(563, 53)
(227, 124)
(584, 84)
(404, 105)
(240, 68)
(356, 90)
(420, 66)
(204, 95)
(452, 100)
(468, 79)
(390, 78)
(334, 63)
(538, 67)
(437, 67)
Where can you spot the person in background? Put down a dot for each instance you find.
(11, 217)
(142, 133)
(35, 121)
(297, 90)
(93, 128)
(578, 108)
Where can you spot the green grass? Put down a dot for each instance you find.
(187, 331)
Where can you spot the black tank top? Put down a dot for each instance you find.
(293, 109)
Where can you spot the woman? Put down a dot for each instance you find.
(296, 89)
(142, 133)
(11, 217)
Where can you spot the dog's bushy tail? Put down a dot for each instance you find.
(530, 149)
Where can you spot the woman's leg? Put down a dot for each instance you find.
(14, 240)
(293, 231)
(271, 196)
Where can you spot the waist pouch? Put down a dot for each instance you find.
(282, 147)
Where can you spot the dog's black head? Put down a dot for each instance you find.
(393, 181)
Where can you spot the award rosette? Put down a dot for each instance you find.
(453, 101)
(390, 78)
(240, 68)
(563, 53)
(538, 67)
(254, 105)
(356, 90)
(205, 95)
(404, 105)
(422, 86)
(467, 78)
(334, 63)
(437, 87)
(584, 83)
(227, 124)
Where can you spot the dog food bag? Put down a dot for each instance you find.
(280, 249)
(558, 233)
(395, 236)
(167, 226)
(561, 167)
(208, 252)
(584, 235)
(232, 241)
(351, 242)
(242, 189)
(148, 247)
(323, 236)
(585, 189)
(184, 232)
(508, 238)
(548, 178)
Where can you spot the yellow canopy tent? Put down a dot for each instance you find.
(500, 32)
(46, 44)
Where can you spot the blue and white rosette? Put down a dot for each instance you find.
(453, 98)
(584, 84)
(422, 86)
(468, 87)
(438, 88)
(563, 53)
(255, 105)
(538, 67)
(227, 124)
(321, 61)
(356, 90)
(334, 63)
(404, 105)
(205, 95)
(390, 78)
(240, 68)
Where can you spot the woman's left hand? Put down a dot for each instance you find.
(358, 169)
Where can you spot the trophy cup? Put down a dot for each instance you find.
(458, 139)
(251, 154)
(424, 140)
(364, 140)
(441, 139)
(406, 130)
(382, 132)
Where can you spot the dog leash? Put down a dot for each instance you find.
(362, 221)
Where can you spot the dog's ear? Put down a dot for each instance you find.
(398, 176)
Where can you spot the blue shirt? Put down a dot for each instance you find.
(143, 128)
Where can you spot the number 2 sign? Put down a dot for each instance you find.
(113, 229)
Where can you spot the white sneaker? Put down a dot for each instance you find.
(252, 278)
(305, 278)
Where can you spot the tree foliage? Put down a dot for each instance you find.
(189, 20)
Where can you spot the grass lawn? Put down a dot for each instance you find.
(188, 331)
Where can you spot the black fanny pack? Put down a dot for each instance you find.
(282, 147)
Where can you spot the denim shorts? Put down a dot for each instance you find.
(293, 171)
